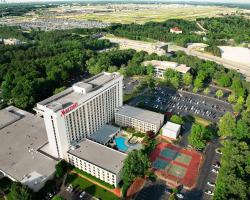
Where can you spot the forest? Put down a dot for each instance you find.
(220, 31)
(20, 9)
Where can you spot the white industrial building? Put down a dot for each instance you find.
(160, 48)
(139, 119)
(171, 130)
(98, 160)
(80, 110)
(22, 137)
(160, 67)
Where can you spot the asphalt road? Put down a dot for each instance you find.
(244, 69)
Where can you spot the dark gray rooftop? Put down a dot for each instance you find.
(100, 155)
(104, 134)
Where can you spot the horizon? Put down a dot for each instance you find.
(136, 1)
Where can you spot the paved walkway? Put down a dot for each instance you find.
(115, 191)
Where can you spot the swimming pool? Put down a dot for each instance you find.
(120, 142)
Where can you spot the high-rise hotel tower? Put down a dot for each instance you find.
(80, 110)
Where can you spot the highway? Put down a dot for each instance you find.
(244, 69)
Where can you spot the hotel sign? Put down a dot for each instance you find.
(70, 108)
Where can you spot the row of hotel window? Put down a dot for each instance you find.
(76, 129)
(138, 124)
(92, 169)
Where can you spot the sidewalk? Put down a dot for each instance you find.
(115, 191)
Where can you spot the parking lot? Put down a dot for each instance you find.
(70, 193)
(213, 173)
(164, 99)
(129, 84)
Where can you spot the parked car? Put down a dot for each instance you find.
(211, 184)
(82, 194)
(218, 151)
(215, 171)
(209, 192)
(216, 164)
(180, 196)
(69, 188)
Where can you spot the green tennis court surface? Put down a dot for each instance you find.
(160, 164)
(183, 158)
(176, 170)
(174, 155)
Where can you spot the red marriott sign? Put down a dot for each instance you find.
(70, 108)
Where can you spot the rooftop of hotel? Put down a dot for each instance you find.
(104, 134)
(141, 114)
(182, 68)
(100, 155)
(20, 138)
(78, 91)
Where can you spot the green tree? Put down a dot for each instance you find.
(248, 102)
(231, 98)
(58, 90)
(172, 77)
(136, 164)
(150, 69)
(20, 192)
(112, 69)
(177, 119)
(207, 91)
(198, 83)
(196, 137)
(61, 168)
(187, 79)
(219, 93)
(227, 125)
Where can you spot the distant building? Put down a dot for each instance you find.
(22, 157)
(11, 41)
(98, 160)
(160, 48)
(160, 67)
(176, 30)
(139, 119)
(171, 130)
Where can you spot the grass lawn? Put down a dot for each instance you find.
(202, 121)
(90, 188)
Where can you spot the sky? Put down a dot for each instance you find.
(218, 1)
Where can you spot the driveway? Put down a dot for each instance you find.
(205, 174)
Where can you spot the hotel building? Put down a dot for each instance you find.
(80, 110)
(160, 67)
(139, 119)
(98, 160)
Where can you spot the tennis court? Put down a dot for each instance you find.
(174, 155)
(177, 171)
(176, 165)
(160, 164)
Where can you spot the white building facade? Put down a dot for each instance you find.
(98, 160)
(80, 110)
(139, 119)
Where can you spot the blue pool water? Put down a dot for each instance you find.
(120, 142)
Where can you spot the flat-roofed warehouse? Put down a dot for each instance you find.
(98, 160)
(139, 119)
(21, 136)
